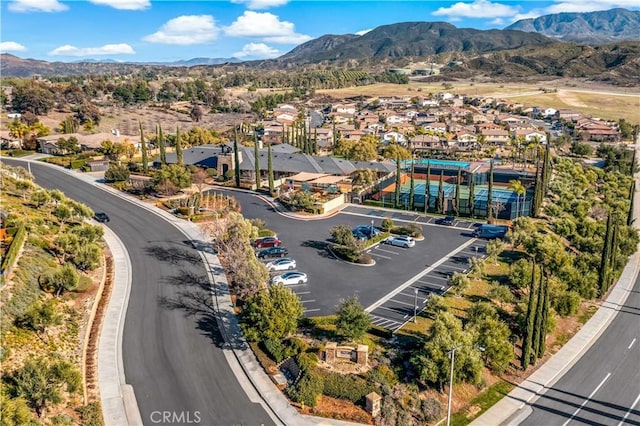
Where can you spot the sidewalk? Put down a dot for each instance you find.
(515, 407)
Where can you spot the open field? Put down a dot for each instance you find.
(608, 102)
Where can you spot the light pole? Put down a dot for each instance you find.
(453, 357)
(415, 306)
(371, 228)
(476, 247)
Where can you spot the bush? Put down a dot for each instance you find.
(76, 164)
(275, 349)
(307, 389)
(567, 303)
(387, 224)
(91, 414)
(306, 361)
(116, 173)
(349, 387)
(295, 346)
(431, 409)
(266, 233)
(184, 210)
(382, 374)
(11, 254)
(365, 259)
(413, 230)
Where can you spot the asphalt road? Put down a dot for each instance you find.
(603, 387)
(331, 280)
(171, 344)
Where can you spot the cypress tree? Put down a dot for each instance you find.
(546, 175)
(614, 251)
(163, 150)
(236, 157)
(315, 141)
(270, 169)
(143, 148)
(603, 271)
(538, 333)
(528, 337)
(472, 197)
(537, 198)
(179, 156)
(427, 188)
(542, 344)
(398, 184)
(632, 166)
(284, 134)
(305, 138)
(632, 195)
(411, 186)
(490, 193)
(256, 155)
(456, 200)
(440, 202)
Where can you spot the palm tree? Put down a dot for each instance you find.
(519, 189)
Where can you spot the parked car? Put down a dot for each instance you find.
(289, 278)
(367, 231)
(101, 217)
(490, 232)
(401, 241)
(448, 221)
(272, 252)
(267, 242)
(283, 264)
(359, 236)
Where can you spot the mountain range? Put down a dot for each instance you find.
(526, 49)
(601, 27)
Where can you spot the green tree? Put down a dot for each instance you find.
(527, 340)
(271, 314)
(490, 193)
(342, 235)
(40, 198)
(33, 97)
(179, 154)
(256, 156)
(432, 362)
(472, 197)
(63, 212)
(15, 411)
(41, 315)
(456, 199)
(412, 186)
(353, 321)
(61, 279)
(143, 149)
(604, 270)
(270, 169)
(398, 187)
(112, 150)
(502, 293)
(440, 208)
(116, 173)
(42, 383)
(65, 245)
(236, 158)
(520, 190)
(176, 174)
(303, 200)
(459, 281)
(538, 333)
(87, 257)
(493, 336)
(161, 145)
(427, 189)
(494, 248)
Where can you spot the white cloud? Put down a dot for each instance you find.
(363, 32)
(186, 29)
(477, 9)
(11, 46)
(266, 26)
(124, 4)
(261, 4)
(107, 49)
(36, 6)
(258, 51)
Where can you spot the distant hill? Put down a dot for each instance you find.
(408, 40)
(19, 67)
(601, 27)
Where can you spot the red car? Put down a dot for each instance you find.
(267, 242)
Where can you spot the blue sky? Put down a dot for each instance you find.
(169, 30)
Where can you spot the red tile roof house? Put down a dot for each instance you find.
(595, 131)
(49, 144)
(496, 136)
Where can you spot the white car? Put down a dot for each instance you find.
(289, 278)
(283, 264)
(401, 241)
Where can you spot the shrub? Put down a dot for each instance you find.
(382, 374)
(91, 414)
(307, 361)
(116, 173)
(294, 346)
(387, 224)
(11, 254)
(307, 389)
(266, 233)
(431, 409)
(76, 164)
(567, 303)
(349, 387)
(275, 349)
(365, 259)
(184, 210)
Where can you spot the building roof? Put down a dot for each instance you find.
(203, 156)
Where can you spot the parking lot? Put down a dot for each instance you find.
(386, 289)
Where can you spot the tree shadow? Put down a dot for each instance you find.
(173, 255)
(321, 247)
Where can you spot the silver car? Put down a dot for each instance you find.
(283, 264)
(401, 241)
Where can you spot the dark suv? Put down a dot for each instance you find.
(101, 217)
(448, 221)
(272, 252)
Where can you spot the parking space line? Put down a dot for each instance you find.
(307, 301)
(387, 251)
(429, 284)
(438, 278)
(403, 303)
(379, 255)
(295, 285)
(389, 309)
(470, 226)
(419, 275)
(395, 218)
(311, 310)
(302, 292)
(460, 268)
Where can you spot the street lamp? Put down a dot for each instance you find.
(476, 247)
(415, 306)
(371, 228)
(453, 357)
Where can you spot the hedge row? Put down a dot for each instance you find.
(12, 253)
(77, 164)
(349, 387)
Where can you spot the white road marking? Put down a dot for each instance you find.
(436, 277)
(302, 292)
(311, 310)
(587, 400)
(387, 251)
(379, 255)
(419, 275)
(402, 303)
(630, 408)
(307, 301)
(632, 343)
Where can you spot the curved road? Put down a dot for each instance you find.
(603, 388)
(171, 343)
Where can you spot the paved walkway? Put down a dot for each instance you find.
(513, 408)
